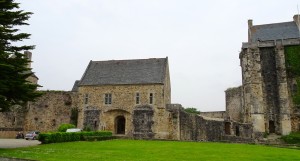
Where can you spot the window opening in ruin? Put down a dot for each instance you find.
(108, 99)
(227, 128)
(237, 131)
(86, 99)
(151, 98)
(271, 127)
(137, 98)
(120, 125)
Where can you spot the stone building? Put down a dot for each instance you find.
(132, 98)
(270, 79)
(127, 97)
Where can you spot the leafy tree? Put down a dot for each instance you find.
(14, 87)
(191, 110)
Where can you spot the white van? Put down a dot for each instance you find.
(73, 130)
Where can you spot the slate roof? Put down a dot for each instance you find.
(274, 31)
(75, 86)
(113, 72)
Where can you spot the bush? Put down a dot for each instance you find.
(58, 137)
(64, 127)
(293, 138)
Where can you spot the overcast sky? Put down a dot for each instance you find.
(202, 40)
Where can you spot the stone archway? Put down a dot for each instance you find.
(120, 123)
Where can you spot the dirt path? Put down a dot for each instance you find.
(16, 143)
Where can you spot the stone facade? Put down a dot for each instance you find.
(134, 110)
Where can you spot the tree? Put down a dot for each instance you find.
(191, 110)
(14, 70)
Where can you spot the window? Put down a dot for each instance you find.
(108, 99)
(86, 98)
(137, 98)
(151, 98)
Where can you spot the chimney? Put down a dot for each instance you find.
(250, 24)
(297, 20)
(28, 55)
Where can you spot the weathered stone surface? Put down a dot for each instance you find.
(50, 110)
(234, 104)
(143, 122)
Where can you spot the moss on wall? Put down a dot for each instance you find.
(292, 59)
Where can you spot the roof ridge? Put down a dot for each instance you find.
(274, 23)
(125, 59)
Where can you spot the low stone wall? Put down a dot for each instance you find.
(199, 128)
(9, 132)
(214, 114)
(11, 123)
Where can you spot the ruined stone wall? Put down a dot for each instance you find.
(50, 110)
(266, 86)
(198, 128)
(11, 123)
(234, 107)
(214, 114)
(124, 104)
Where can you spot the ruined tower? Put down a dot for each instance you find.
(266, 89)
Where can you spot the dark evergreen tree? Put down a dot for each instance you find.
(14, 88)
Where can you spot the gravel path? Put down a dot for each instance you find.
(16, 143)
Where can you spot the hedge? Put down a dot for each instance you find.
(64, 127)
(293, 138)
(57, 137)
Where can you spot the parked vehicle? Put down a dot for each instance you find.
(20, 135)
(73, 130)
(32, 135)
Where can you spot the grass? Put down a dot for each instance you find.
(142, 150)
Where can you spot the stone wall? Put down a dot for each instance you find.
(270, 89)
(199, 128)
(214, 114)
(50, 110)
(143, 122)
(11, 123)
(234, 104)
(295, 120)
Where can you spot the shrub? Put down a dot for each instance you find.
(64, 127)
(293, 138)
(58, 137)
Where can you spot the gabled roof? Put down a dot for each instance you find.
(114, 72)
(75, 86)
(275, 31)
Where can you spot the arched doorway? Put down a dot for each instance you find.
(120, 123)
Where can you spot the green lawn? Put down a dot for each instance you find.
(129, 150)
